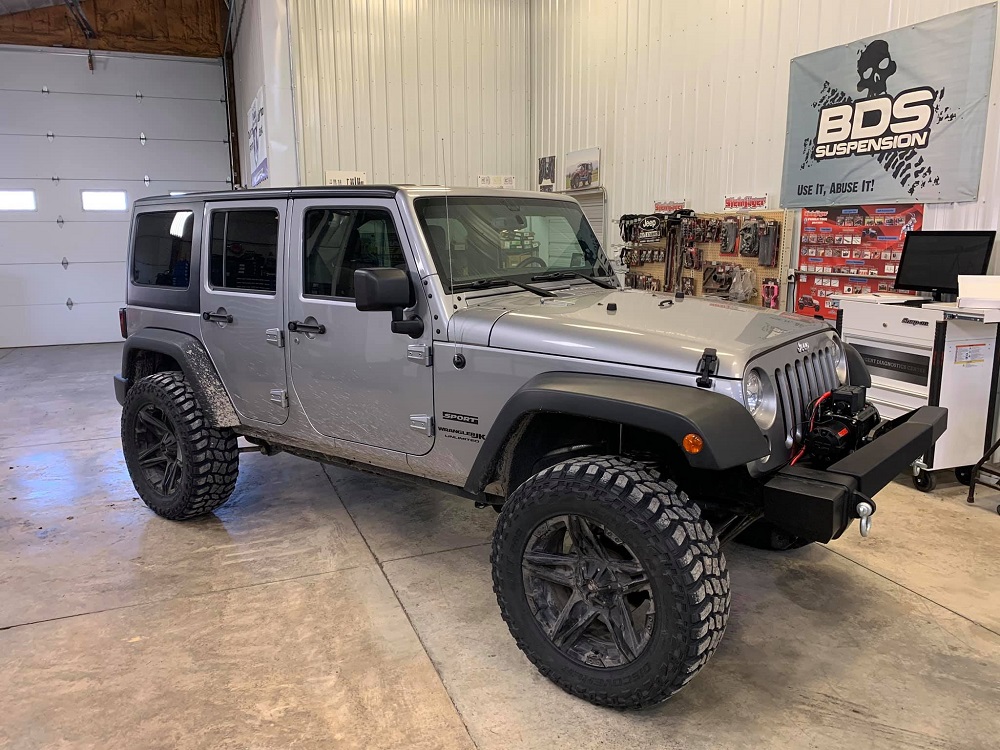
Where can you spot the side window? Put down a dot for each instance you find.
(244, 250)
(338, 241)
(161, 251)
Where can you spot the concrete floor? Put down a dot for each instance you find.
(322, 608)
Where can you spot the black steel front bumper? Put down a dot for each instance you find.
(820, 505)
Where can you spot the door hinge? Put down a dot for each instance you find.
(420, 353)
(275, 337)
(423, 423)
(280, 396)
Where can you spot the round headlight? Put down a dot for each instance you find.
(753, 392)
(840, 361)
(759, 397)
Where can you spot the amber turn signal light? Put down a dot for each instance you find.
(693, 443)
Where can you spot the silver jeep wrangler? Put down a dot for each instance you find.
(478, 341)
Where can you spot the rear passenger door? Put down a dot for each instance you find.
(242, 304)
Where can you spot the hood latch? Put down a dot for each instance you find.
(708, 365)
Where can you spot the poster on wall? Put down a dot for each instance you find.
(583, 169)
(896, 117)
(850, 250)
(547, 174)
(257, 140)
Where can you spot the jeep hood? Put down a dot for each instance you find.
(631, 327)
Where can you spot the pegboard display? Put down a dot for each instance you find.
(704, 255)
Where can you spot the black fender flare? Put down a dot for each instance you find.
(731, 436)
(194, 362)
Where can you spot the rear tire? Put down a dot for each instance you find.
(616, 565)
(180, 465)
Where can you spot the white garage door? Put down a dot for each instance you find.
(76, 149)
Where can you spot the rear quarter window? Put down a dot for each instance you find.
(161, 249)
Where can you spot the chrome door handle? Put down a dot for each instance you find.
(217, 317)
(296, 326)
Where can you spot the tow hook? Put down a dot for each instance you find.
(864, 511)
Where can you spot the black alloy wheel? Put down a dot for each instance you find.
(588, 591)
(159, 454)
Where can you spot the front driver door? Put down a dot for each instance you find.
(356, 380)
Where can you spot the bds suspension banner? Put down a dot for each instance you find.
(897, 117)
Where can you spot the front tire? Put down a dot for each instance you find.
(610, 581)
(180, 465)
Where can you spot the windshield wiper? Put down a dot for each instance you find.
(560, 275)
(489, 283)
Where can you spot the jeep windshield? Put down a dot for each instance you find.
(482, 242)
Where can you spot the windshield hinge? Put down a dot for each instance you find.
(420, 353)
(708, 365)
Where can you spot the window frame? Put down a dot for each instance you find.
(279, 249)
(320, 205)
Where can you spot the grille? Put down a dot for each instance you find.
(799, 384)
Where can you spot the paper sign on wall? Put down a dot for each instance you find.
(501, 181)
(745, 202)
(345, 177)
(669, 206)
(257, 140)
(547, 174)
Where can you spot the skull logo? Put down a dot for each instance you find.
(875, 66)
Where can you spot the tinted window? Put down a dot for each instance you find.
(339, 241)
(244, 250)
(161, 254)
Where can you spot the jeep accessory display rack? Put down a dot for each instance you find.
(713, 254)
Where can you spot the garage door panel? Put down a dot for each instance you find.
(46, 325)
(81, 158)
(47, 284)
(34, 113)
(78, 242)
(30, 70)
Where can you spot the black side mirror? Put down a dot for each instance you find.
(387, 289)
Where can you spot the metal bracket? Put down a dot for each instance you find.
(145, 179)
(423, 423)
(420, 353)
(45, 89)
(708, 365)
(60, 221)
(280, 396)
(138, 95)
(55, 179)
(69, 302)
(65, 263)
(50, 135)
(142, 138)
(275, 337)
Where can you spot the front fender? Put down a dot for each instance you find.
(731, 436)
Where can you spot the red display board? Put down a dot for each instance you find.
(850, 250)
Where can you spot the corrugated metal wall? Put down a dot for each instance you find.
(688, 100)
(248, 70)
(419, 91)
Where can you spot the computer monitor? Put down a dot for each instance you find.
(933, 261)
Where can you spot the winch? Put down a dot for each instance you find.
(839, 423)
